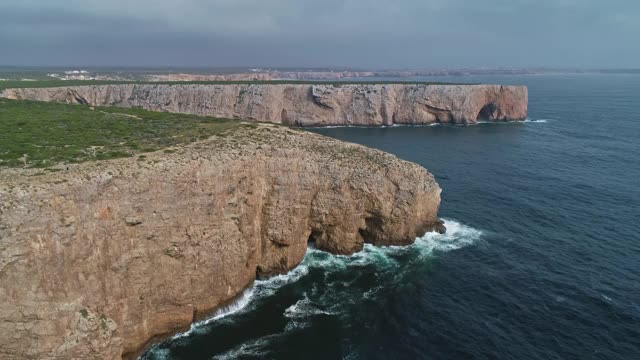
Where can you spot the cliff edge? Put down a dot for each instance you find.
(101, 258)
(306, 104)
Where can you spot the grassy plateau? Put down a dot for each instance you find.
(41, 135)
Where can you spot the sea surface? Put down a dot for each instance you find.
(541, 259)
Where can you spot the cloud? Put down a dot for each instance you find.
(365, 33)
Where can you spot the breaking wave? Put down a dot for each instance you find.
(331, 284)
(526, 121)
(260, 288)
(238, 304)
(435, 124)
(536, 120)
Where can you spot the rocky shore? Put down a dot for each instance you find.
(98, 260)
(306, 104)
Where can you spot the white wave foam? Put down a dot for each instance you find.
(372, 126)
(482, 122)
(252, 349)
(457, 236)
(371, 293)
(303, 308)
(269, 286)
(235, 306)
(351, 126)
(527, 121)
(537, 120)
(161, 354)
(501, 122)
(260, 288)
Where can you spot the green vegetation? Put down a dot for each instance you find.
(20, 84)
(39, 134)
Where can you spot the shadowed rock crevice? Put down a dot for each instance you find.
(488, 112)
(284, 119)
(314, 236)
(78, 98)
(374, 229)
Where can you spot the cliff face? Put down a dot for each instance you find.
(100, 259)
(307, 105)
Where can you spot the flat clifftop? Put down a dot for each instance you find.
(49, 135)
(101, 258)
(306, 104)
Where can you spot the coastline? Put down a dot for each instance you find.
(305, 105)
(224, 211)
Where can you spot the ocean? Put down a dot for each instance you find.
(541, 259)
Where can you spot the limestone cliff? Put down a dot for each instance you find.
(99, 259)
(307, 104)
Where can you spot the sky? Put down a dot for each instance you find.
(373, 34)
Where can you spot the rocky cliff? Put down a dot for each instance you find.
(307, 104)
(100, 259)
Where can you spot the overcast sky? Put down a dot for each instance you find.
(314, 33)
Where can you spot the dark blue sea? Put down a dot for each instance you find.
(541, 260)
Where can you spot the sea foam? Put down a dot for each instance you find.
(536, 120)
(457, 236)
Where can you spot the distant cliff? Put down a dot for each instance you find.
(99, 259)
(306, 104)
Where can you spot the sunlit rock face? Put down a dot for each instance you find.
(100, 259)
(307, 105)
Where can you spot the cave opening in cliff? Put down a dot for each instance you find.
(313, 237)
(374, 225)
(488, 112)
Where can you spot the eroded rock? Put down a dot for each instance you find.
(95, 269)
(307, 105)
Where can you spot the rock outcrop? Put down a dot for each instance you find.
(100, 259)
(307, 104)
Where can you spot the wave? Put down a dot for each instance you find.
(537, 120)
(260, 288)
(304, 308)
(249, 350)
(398, 125)
(528, 120)
(369, 126)
(235, 306)
(325, 299)
(456, 237)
